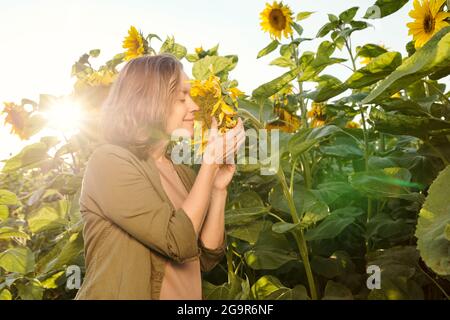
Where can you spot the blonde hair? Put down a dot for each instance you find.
(134, 114)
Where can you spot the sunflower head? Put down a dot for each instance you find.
(429, 19)
(276, 18)
(317, 114)
(16, 117)
(135, 44)
(213, 101)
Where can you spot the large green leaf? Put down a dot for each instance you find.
(48, 216)
(433, 56)
(417, 126)
(334, 224)
(400, 277)
(434, 224)
(305, 139)
(268, 89)
(379, 68)
(201, 68)
(268, 258)
(388, 182)
(19, 259)
(30, 156)
(236, 289)
(248, 232)
(327, 88)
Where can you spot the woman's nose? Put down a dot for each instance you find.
(193, 107)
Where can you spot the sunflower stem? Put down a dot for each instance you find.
(298, 235)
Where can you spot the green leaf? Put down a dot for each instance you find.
(94, 53)
(327, 88)
(268, 89)
(267, 258)
(283, 227)
(283, 62)
(33, 290)
(200, 69)
(400, 277)
(417, 126)
(433, 225)
(388, 182)
(379, 68)
(336, 291)
(69, 253)
(370, 50)
(432, 57)
(244, 215)
(383, 8)
(19, 259)
(304, 15)
(343, 147)
(48, 216)
(305, 139)
(268, 49)
(327, 28)
(4, 212)
(297, 28)
(270, 288)
(8, 198)
(5, 294)
(315, 213)
(30, 156)
(8, 232)
(237, 289)
(348, 15)
(334, 224)
(250, 231)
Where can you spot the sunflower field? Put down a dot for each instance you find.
(361, 192)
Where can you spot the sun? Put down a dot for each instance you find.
(65, 117)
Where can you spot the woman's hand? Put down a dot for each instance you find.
(221, 148)
(223, 177)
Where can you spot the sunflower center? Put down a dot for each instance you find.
(277, 19)
(428, 23)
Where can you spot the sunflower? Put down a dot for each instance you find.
(428, 20)
(317, 114)
(276, 19)
(102, 77)
(213, 101)
(16, 117)
(135, 44)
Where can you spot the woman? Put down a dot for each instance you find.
(151, 226)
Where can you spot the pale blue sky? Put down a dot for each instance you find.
(40, 39)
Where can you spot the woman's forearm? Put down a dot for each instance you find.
(213, 229)
(197, 202)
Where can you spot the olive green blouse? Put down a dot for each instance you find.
(131, 228)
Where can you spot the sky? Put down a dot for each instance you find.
(41, 39)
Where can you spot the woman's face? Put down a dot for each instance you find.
(182, 113)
